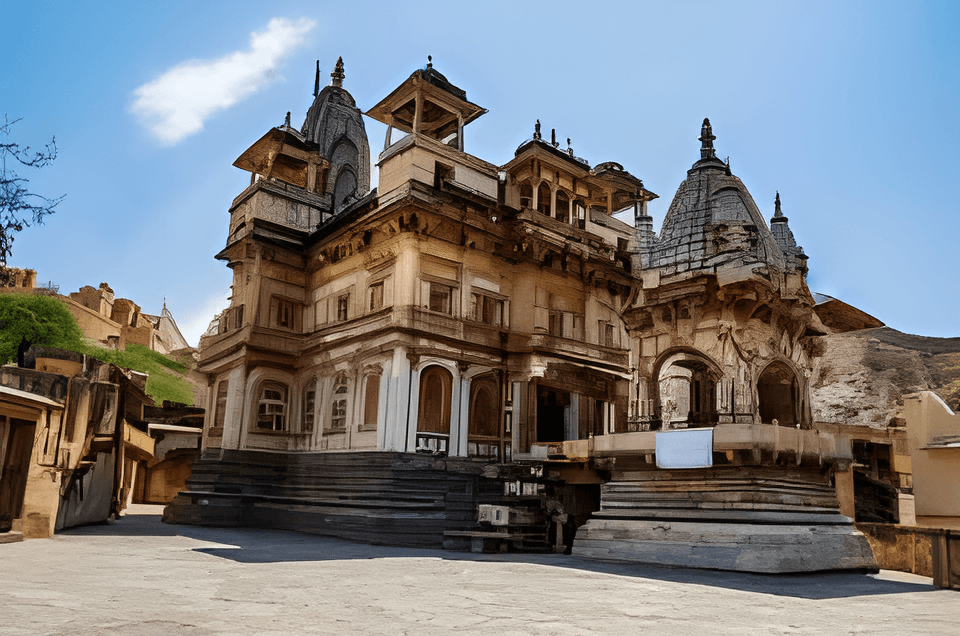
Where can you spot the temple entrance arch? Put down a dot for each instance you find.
(778, 394)
(687, 390)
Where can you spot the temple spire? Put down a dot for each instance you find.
(776, 206)
(706, 139)
(337, 75)
(316, 81)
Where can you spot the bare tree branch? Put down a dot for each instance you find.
(20, 208)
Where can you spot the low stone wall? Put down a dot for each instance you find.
(933, 552)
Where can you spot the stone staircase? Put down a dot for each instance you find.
(750, 519)
(374, 497)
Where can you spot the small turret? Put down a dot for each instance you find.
(793, 254)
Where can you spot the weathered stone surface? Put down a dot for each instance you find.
(861, 375)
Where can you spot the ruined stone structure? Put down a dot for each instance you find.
(71, 439)
(476, 334)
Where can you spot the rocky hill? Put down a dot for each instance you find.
(862, 375)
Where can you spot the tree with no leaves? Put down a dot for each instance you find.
(19, 208)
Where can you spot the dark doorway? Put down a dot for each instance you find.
(552, 412)
(777, 389)
(16, 463)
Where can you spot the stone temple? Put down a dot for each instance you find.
(473, 355)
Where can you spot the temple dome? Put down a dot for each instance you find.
(714, 224)
(335, 125)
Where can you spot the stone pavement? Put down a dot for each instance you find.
(137, 576)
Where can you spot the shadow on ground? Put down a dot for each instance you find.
(251, 545)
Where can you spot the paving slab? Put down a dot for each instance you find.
(137, 576)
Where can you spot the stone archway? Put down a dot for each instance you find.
(778, 395)
(687, 391)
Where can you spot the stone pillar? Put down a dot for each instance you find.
(394, 434)
(844, 485)
(460, 418)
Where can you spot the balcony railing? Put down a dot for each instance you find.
(434, 443)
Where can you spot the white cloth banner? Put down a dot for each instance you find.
(685, 448)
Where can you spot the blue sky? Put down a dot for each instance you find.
(850, 109)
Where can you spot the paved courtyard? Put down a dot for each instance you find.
(139, 576)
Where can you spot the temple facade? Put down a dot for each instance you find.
(468, 334)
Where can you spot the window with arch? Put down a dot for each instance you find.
(526, 195)
(344, 187)
(220, 410)
(371, 400)
(562, 211)
(309, 406)
(338, 403)
(543, 199)
(484, 438)
(435, 391)
(272, 406)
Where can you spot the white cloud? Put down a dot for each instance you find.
(176, 104)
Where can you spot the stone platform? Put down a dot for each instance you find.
(746, 519)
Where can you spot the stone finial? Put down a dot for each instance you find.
(536, 131)
(706, 139)
(569, 147)
(429, 61)
(316, 81)
(337, 74)
(776, 206)
(553, 137)
(286, 122)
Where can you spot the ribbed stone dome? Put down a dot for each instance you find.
(335, 125)
(713, 222)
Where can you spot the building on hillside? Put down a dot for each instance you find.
(471, 334)
(110, 321)
(117, 322)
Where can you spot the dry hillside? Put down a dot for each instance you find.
(861, 376)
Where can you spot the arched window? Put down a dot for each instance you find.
(562, 211)
(272, 406)
(344, 188)
(484, 439)
(777, 391)
(484, 408)
(526, 195)
(543, 199)
(371, 401)
(309, 404)
(220, 410)
(338, 404)
(435, 390)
